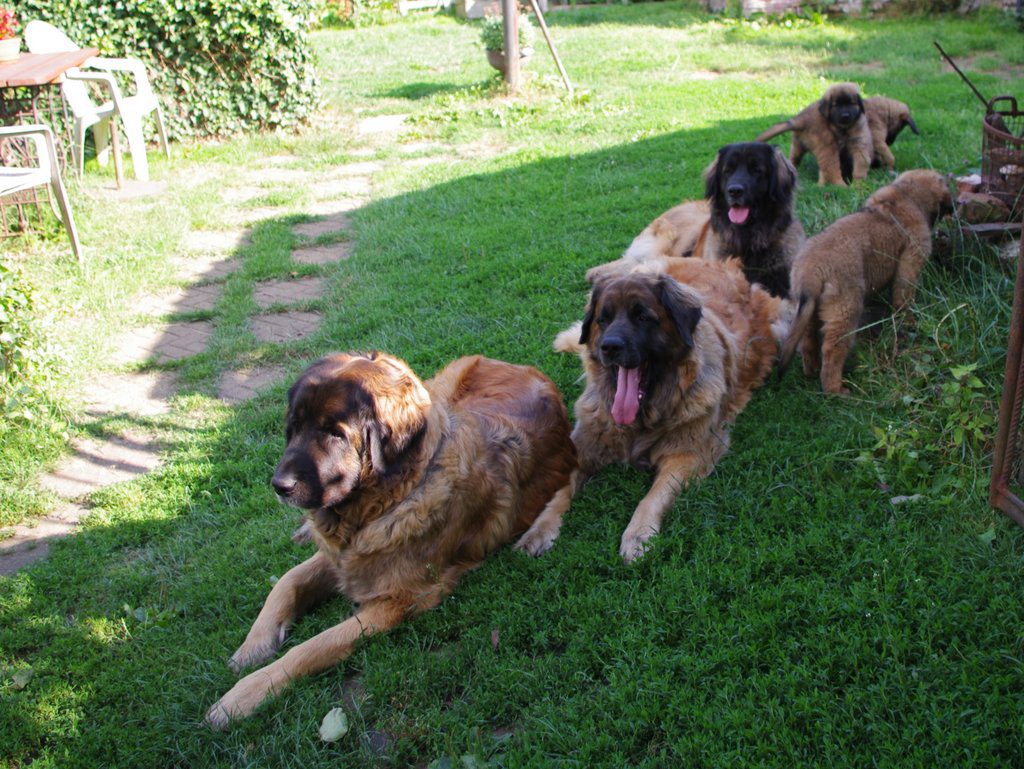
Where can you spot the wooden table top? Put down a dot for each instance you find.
(42, 68)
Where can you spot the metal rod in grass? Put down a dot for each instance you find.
(551, 46)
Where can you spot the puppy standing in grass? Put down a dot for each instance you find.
(886, 119)
(408, 485)
(885, 243)
(835, 130)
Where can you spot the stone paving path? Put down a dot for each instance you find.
(208, 258)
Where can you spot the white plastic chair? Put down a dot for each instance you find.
(41, 37)
(16, 179)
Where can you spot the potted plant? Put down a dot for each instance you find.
(10, 43)
(492, 37)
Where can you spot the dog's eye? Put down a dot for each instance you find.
(642, 315)
(336, 431)
(604, 319)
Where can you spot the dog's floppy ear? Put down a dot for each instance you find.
(712, 184)
(782, 180)
(588, 318)
(860, 105)
(825, 106)
(680, 307)
(400, 407)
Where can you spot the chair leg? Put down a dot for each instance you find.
(79, 153)
(160, 129)
(136, 144)
(101, 134)
(65, 211)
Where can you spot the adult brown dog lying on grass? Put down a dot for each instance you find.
(886, 119)
(409, 485)
(671, 356)
(835, 130)
(886, 242)
(747, 213)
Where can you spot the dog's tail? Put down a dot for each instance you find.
(776, 130)
(569, 340)
(806, 307)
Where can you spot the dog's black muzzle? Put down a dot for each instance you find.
(738, 189)
(618, 349)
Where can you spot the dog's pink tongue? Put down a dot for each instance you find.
(738, 214)
(627, 396)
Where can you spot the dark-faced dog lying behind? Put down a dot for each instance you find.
(886, 119)
(409, 485)
(885, 243)
(835, 131)
(671, 358)
(747, 213)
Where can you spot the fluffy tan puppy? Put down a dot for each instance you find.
(886, 118)
(835, 130)
(885, 243)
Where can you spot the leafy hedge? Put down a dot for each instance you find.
(221, 66)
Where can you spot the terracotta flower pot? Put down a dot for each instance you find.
(497, 58)
(10, 49)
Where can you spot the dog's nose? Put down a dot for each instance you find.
(736, 190)
(284, 485)
(612, 345)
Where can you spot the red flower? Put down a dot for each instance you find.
(8, 24)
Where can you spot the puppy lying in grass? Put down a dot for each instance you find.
(884, 243)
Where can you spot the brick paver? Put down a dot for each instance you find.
(361, 168)
(241, 385)
(344, 186)
(133, 190)
(236, 195)
(381, 124)
(216, 241)
(333, 222)
(95, 464)
(267, 293)
(279, 176)
(30, 543)
(140, 393)
(284, 326)
(191, 299)
(207, 268)
(333, 207)
(335, 252)
(170, 342)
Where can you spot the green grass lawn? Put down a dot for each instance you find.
(790, 614)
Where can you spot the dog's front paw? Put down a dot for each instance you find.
(635, 543)
(537, 541)
(260, 645)
(241, 701)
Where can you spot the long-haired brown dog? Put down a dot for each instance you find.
(886, 119)
(885, 243)
(747, 213)
(409, 485)
(835, 131)
(671, 358)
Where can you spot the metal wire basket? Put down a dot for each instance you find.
(1002, 153)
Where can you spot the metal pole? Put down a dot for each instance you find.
(551, 46)
(510, 17)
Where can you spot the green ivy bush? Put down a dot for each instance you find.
(23, 354)
(221, 66)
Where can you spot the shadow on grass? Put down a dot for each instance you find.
(755, 594)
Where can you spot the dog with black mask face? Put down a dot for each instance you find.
(672, 352)
(835, 130)
(747, 213)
